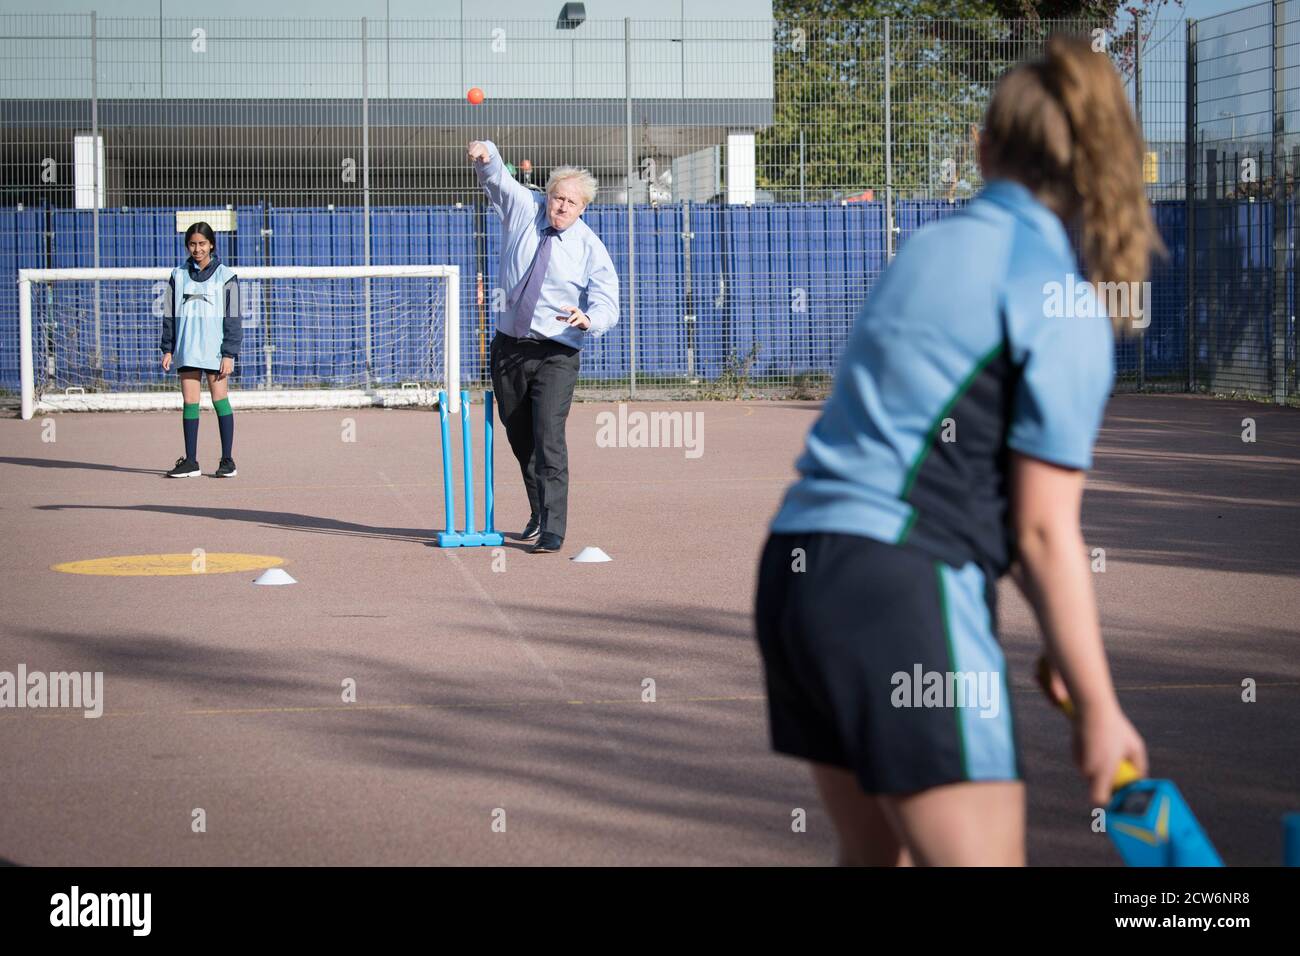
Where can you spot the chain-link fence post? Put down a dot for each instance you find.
(1281, 203)
(1190, 160)
(889, 156)
(94, 179)
(631, 231)
(365, 188)
(1137, 110)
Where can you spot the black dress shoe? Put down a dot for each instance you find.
(531, 529)
(547, 543)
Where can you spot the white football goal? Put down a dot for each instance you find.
(314, 337)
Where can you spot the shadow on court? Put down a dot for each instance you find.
(87, 465)
(291, 522)
(589, 774)
(1182, 488)
(271, 519)
(385, 708)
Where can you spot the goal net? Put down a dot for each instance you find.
(340, 336)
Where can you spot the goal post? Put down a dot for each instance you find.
(314, 337)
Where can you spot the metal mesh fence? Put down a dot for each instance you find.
(1243, 98)
(755, 176)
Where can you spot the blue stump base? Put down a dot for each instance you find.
(478, 539)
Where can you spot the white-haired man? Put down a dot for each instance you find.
(562, 290)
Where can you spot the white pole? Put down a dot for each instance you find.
(451, 340)
(25, 348)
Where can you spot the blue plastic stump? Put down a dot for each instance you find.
(491, 537)
(468, 537)
(447, 538)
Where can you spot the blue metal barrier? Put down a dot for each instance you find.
(786, 279)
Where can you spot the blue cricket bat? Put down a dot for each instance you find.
(1148, 820)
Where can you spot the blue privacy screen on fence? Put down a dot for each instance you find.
(777, 283)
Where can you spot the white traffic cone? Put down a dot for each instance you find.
(275, 576)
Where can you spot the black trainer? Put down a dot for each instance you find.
(226, 469)
(532, 529)
(185, 468)
(548, 543)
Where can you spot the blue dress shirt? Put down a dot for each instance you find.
(580, 274)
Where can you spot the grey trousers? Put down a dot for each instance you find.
(533, 380)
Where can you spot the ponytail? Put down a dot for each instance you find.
(1063, 127)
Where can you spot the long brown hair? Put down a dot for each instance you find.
(1062, 126)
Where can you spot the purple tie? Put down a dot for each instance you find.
(526, 304)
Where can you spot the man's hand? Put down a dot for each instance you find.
(576, 318)
(479, 153)
(227, 366)
(167, 361)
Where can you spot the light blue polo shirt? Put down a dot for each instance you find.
(960, 353)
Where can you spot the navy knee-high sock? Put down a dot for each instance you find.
(226, 425)
(190, 422)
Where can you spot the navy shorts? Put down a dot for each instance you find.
(883, 661)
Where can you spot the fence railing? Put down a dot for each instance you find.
(772, 290)
(756, 174)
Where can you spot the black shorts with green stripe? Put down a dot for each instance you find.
(881, 660)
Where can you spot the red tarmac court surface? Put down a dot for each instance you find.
(521, 689)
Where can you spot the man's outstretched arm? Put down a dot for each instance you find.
(512, 200)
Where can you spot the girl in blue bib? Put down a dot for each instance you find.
(201, 333)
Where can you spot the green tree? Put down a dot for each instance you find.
(945, 58)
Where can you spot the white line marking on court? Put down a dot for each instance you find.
(1155, 425)
(511, 628)
(1181, 494)
(635, 702)
(1110, 451)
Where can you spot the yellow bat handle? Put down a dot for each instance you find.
(1125, 773)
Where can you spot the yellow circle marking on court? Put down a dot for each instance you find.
(157, 565)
